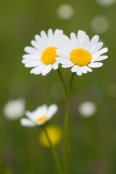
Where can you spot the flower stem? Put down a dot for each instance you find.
(67, 123)
(65, 131)
(54, 152)
(62, 80)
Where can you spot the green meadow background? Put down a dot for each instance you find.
(94, 138)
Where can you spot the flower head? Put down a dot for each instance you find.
(39, 116)
(42, 56)
(54, 133)
(80, 53)
(106, 2)
(87, 109)
(65, 11)
(14, 109)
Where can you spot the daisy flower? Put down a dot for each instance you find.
(80, 53)
(39, 116)
(42, 56)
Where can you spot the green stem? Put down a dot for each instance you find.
(65, 147)
(65, 131)
(67, 125)
(54, 152)
(62, 80)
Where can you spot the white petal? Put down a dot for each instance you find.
(101, 58)
(96, 55)
(59, 46)
(95, 65)
(50, 36)
(86, 42)
(83, 70)
(96, 48)
(40, 111)
(35, 44)
(31, 50)
(74, 68)
(47, 69)
(80, 38)
(57, 35)
(102, 51)
(30, 56)
(29, 114)
(52, 110)
(93, 41)
(44, 36)
(63, 54)
(73, 40)
(66, 43)
(26, 60)
(87, 68)
(38, 70)
(33, 63)
(27, 122)
(79, 72)
(63, 60)
(40, 41)
(55, 66)
(67, 65)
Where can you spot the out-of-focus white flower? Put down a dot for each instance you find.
(14, 109)
(80, 53)
(106, 2)
(100, 24)
(65, 11)
(39, 116)
(54, 133)
(42, 56)
(87, 109)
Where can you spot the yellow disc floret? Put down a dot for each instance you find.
(49, 55)
(42, 119)
(80, 57)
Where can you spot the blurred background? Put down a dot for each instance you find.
(93, 101)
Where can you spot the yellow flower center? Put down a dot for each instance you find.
(42, 119)
(80, 57)
(49, 55)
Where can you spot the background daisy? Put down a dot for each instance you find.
(42, 56)
(39, 116)
(80, 53)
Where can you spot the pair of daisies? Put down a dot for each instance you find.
(77, 52)
(49, 50)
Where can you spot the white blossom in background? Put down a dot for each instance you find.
(80, 53)
(87, 109)
(100, 24)
(14, 109)
(39, 116)
(41, 57)
(106, 2)
(65, 11)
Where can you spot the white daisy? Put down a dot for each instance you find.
(42, 56)
(39, 116)
(80, 53)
